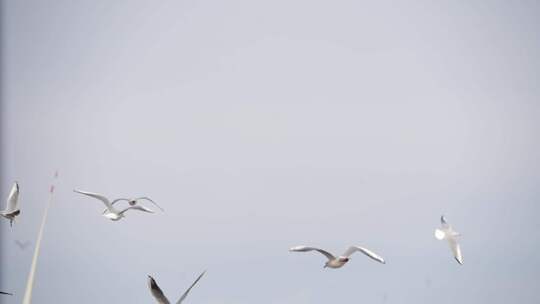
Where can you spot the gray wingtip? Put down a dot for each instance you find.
(296, 248)
(151, 282)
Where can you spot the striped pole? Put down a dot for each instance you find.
(30, 283)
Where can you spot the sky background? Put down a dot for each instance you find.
(261, 125)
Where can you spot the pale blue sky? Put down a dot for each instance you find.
(263, 125)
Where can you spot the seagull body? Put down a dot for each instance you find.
(160, 297)
(447, 233)
(338, 262)
(12, 206)
(110, 212)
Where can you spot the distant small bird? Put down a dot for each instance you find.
(428, 282)
(112, 213)
(22, 245)
(385, 297)
(338, 262)
(6, 293)
(12, 206)
(446, 232)
(160, 297)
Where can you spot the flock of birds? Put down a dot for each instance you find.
(111, 212)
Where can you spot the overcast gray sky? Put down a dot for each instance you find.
(260, 125)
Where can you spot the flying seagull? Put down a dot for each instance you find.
(12, 206)
(112, 213)
(446, 232)
(22, 245)
(338, 262)
(6, 293)
(160, 297)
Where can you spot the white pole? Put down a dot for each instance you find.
(30, 283)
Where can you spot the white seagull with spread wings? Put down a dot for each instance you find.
(12, 206)
(338, 262)
(160, 297)
(446, 232)
(110, 212)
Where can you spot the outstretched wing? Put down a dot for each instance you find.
(148, 199)
(327, 254)
(189, 289)
(365, 251)
(456, 249)
(13, 198)
(136, 207)
(6, 293)
(96, 196)
(156, 291)
(119, 200)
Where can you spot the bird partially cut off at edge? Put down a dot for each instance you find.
(160, 297)
(12, 204)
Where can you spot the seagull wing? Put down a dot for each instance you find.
(456, 249)
(97, 196)
(13, 198)
(148, 199)
(365, 251)
(156, 291)
(6, 293)
(136, 207)
(119, 200)
(327, 254)
(189, 289)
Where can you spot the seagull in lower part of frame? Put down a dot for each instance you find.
(160, 297)
(12, 206)
(338, 262)
(110, 212)
(447, 233)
